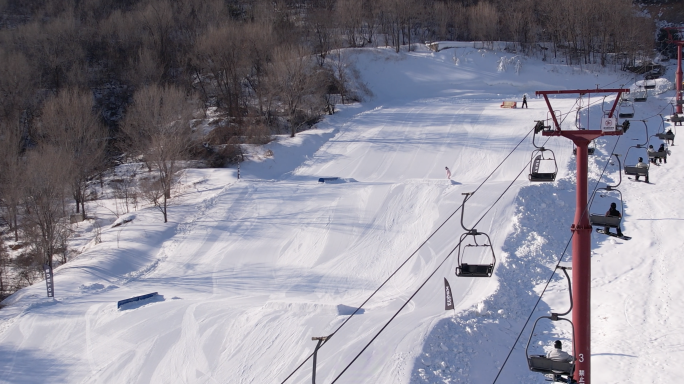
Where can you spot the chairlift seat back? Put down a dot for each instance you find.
(656, 155)
(626, 115)
(541, 177)
(604, 221)
(475, 270)
(649, 86)
(590, 151)
(542, 364)
(665, 136)
(634, 170)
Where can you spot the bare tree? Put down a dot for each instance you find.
(295, 81)
(483, 22)
(12, 169)
(157, 127)
(45, 225)
(69, 124)
(4, 263)
(221, 59)
(16, 84)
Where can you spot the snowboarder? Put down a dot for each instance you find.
(662, 149)
(448, 173)
(524, 104)
(614, 213)
(641, 164)
(558, 354)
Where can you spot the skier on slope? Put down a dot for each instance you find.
(524, 103)
(448, 172)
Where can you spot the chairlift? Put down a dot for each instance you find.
(541, 363)
(466, 268)
(542, 159)
(666, 136)
(626, 110)
(633, 169)
(601, 220)
(590, 149)
(649, 84)
(675, 119)
(640, 95)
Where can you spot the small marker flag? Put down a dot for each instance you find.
(448, 299)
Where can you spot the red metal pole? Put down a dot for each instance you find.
(581, 240)
(678, 77)
(581, 269)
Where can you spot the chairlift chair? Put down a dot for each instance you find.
(667, 136)
(626, 110)
(640, 95)
(649, 84)
(590, 149)
(466, 268)
(542, 156)
(541, 363)
(633, 169)
(601, 220)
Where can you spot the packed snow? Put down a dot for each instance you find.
(249, 269)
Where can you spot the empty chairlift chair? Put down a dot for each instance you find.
(543, 166)
(590, 149)
(471, 245)
(640, 95)
(543, 364)
(649, 84)
(626, 110)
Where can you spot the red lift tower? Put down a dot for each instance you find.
(581, 240)
(674, 37)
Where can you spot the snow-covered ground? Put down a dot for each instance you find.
(249, 270)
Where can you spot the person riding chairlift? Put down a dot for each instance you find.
(558, 354)
(614, 213)
(650, 152)
(641, 164)
(662, 149)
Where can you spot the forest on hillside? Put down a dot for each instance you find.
(88, 84)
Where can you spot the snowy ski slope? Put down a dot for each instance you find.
(249, 270)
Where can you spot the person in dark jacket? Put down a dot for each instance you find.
(613, 212)
(524, 104)
(662, 149)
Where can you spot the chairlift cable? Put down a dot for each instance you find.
(428, 278)
(447, 256)
(560, 259)
(407, 259)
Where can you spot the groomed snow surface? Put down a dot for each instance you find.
(249, 270)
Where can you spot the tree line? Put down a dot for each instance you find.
(86, 84)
